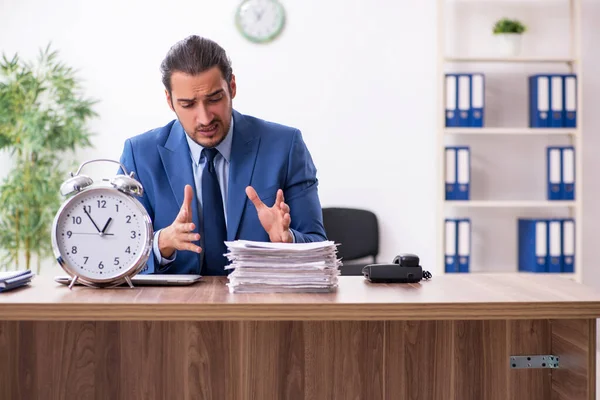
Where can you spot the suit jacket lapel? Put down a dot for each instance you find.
(244, 148)
(175, 156)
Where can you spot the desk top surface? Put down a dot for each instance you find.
(464, 296)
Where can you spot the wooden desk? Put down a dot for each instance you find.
(449, 338)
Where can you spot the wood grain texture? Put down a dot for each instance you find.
(447, 297)
(494, 360)
(185, 360)
(262, 360)
(418, 359)
(161, 360)
(35, 348)
(481, 360)
(107, 357)
(8, 361)
(344, 360)
(273, 363)
(575, 342)
(529, 338)
(468, 363)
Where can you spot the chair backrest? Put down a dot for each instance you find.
(356, 230)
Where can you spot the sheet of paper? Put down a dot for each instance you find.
(280, 246)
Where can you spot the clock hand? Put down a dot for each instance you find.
(90, 217)
(106, 226)
(258, 14)
(91, 233)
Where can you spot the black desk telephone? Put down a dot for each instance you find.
(404, 269)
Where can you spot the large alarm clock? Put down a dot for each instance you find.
(260, 21)
(102, 235)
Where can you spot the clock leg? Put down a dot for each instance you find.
(73, 282)
(128, 279)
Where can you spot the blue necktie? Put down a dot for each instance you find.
(213, 217)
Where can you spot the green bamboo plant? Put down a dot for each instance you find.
(43, 118)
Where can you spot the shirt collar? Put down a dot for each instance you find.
(224, 147)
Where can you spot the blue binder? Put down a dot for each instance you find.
(554, 253)
(477, 100)
(570, 100)
(463, 248)
(450, 173)
(539, 99)
(568, 173)
(532, 245)
(464, 100)
(554, 172)
(556, 101)
(452, 100)
(463, 173)
(568, 245)
(450, 244)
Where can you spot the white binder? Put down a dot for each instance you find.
(451, 263)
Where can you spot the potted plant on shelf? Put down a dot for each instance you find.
(508, 33)
(43, 117)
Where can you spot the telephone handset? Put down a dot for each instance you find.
(404, 269)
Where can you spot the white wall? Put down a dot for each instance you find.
(357, 77)
(591, 142)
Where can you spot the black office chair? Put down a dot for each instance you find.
(356, 231)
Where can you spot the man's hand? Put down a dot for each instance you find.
(178, 236)
(275, 220)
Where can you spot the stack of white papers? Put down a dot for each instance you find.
(263, 267)
(14, 279)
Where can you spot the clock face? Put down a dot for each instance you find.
(260, 21)
(101, 234)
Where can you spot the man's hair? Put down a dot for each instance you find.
(193, 55)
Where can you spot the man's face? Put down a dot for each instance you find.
(203, 105)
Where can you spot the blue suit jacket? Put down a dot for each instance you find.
(265, 155)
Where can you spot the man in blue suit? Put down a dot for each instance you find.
(214, 174)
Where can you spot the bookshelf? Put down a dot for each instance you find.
(525, 64)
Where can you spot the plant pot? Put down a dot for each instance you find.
(508, 44)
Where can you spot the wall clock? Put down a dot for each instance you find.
(102, 235)
(260, 21)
